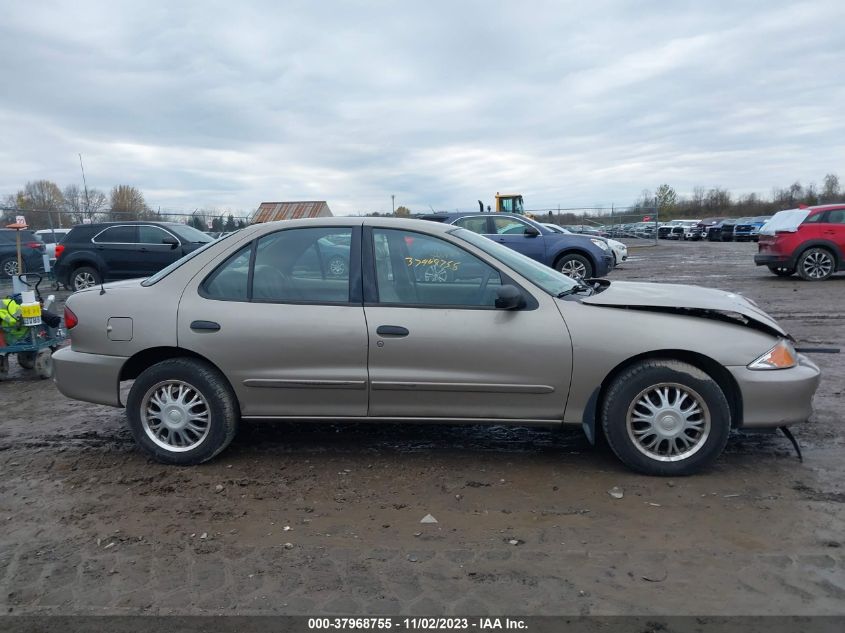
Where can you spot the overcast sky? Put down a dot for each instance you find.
(229, 104)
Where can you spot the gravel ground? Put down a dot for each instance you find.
(318, 519)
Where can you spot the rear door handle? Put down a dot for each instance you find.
(205, 326)
(392, 330)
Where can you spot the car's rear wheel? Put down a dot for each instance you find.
(182, 411)
(782, 271)
(575, 265)
(816, 264)
(665, 417)
(9, 267)
(85, 277)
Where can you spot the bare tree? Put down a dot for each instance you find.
(666, 197)
(41, 202)
(78, 206)
(127, 203)
(830, 189)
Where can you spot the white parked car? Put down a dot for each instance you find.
(51, 237)
(619, 250)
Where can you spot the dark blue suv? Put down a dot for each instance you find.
(573, 255)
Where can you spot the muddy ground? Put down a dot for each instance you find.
(89, 525)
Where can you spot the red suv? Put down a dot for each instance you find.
(814, 247)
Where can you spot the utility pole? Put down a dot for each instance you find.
(393, 202)
(85, 184)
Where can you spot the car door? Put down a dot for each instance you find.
(116, 247)
(152, 253)
(440, 348)
(511, 231)
(833, 229)
(288, 332)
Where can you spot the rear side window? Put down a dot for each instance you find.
(310, 265)
(305, 265)
(476, 225)
(230, 282)
(151, 235)
(837, 216)
(118, 235)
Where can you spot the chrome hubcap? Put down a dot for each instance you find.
(83, 280)
(818, 264)
(10, 268)
(668, 422)
(436, 272)
(337, 266)
(573, 268)
(175, 416)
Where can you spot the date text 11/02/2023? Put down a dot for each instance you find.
(420, 623)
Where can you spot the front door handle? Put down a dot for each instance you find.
(392, 330)
(205, 326)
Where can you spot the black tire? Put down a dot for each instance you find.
(9, 267)
(630, 387)
(782, 271)
(816, 264)
(84, 277)
(43, 364)
(207, 382)
(572, 263)
(26, 359)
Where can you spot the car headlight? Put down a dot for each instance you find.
(601, 244)
(781, 356)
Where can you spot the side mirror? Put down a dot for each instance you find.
(531, 231)
(509, 298)
(170, 240)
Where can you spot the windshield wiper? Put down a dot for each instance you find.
(578, 288)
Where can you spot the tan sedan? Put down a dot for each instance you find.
(407, 320)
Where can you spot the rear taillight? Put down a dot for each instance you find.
(70, 319)
(59, 250)
(36, 245)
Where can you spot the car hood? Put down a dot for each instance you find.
(685, 300)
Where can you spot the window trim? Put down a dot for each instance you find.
(371, 297)
(132, 226)
(153, 226)
(354, 297)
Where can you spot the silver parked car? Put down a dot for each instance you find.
(258, 326)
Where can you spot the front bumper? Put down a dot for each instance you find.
(88, 377)
(777, 397)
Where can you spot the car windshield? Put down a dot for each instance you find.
(189, 233)
(548, 279)
(164, 272)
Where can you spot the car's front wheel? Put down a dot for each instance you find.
(782, 271)
(182, 411)
(85, 277)
(575, 265)
(816, 264)
(665, 417)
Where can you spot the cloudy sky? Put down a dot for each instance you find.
(225, 105)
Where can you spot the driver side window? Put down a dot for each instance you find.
(417, 269)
